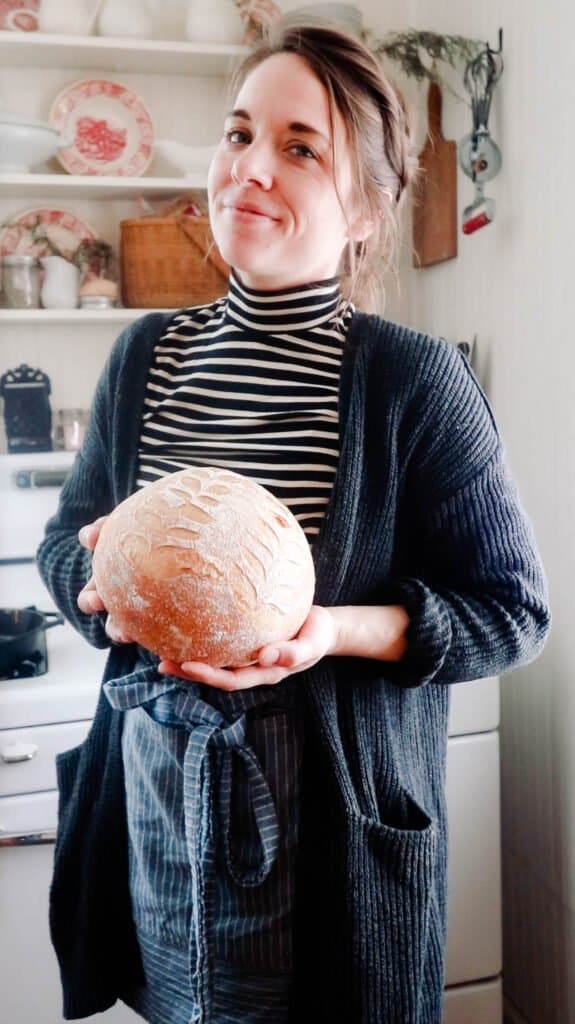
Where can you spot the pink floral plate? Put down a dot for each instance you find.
(23, 235)
(19, 15)
(110, 128)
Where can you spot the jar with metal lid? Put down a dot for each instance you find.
(70, 428)
(21, 281)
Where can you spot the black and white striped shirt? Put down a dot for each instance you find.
(250, 383)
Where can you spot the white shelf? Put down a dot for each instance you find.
(39, 49)
(93, 186)
(74, 316)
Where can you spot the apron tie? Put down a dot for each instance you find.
(211, 734)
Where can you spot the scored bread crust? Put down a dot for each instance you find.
(205, 565)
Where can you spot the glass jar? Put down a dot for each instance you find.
(70, 428)
(21, 282)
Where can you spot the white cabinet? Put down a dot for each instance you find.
(183, 86)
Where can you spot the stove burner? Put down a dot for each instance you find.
(36, 664)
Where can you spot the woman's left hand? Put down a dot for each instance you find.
(316, 638)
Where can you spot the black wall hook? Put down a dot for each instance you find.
(500, 47)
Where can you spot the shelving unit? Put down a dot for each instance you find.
(18, 49)
(46, 337)
(92, 186)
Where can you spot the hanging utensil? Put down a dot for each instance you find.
(479, 156)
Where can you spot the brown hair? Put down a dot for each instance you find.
(378, 132)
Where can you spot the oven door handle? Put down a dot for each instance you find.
(45, 838)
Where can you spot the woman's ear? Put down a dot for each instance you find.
(360, 228)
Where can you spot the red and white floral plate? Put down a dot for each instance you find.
(63, 229)
(110, 128)
(19, 15)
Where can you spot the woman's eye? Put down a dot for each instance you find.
(237, 136)
(300, 149)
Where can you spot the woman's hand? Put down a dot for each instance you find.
(89, 600)
(362, 631)
(316, 638)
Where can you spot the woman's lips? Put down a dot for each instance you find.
(245, 211)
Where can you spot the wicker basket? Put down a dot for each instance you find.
(170, 262)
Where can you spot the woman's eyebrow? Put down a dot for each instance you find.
(306, 129)
(294, 126)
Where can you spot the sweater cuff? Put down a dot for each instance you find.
(428, 635)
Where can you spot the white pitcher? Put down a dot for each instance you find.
(129, 18)
(61, 285)
(214, 21)
(70, 17)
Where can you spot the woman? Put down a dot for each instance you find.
(269, 843)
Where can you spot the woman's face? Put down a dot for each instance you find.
(274, 208)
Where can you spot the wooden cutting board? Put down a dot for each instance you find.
(435, 192)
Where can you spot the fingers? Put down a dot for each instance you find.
(88, 535)
(289, 654)
(117, 635)
(89, 600)
(275, 661)
(223, 678)
(314, 640)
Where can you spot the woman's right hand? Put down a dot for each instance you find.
(89, 600)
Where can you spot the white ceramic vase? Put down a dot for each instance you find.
(61, 284)
(216, 21)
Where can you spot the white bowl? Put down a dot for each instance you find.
(346, 16)
(25, 144)
(175, 159)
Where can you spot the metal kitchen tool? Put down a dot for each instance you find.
(479, 155)
(27, 412)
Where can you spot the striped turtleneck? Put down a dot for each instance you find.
(251, 383)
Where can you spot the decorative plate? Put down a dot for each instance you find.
(63, 229)
(19, 15)
(111, 129)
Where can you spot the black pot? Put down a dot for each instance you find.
(22, 634)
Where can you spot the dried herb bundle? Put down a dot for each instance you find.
(406, 49)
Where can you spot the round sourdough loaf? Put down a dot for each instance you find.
(205, 565)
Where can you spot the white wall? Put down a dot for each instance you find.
(511, 285)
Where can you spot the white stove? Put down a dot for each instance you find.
(68, 690)
(29, 493)
(40, 717)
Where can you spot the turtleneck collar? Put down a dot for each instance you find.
(300, 308)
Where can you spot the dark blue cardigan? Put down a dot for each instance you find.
(423, 513)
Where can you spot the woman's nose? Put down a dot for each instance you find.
(254, 165)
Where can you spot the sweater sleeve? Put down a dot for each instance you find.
(64, 565)
(475, 590)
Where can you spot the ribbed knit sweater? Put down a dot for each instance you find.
(422, 513)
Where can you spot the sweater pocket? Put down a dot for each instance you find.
(397, 945)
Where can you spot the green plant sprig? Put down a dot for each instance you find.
(406, 49)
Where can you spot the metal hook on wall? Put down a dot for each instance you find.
(500, 47)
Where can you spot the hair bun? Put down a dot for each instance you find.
(205, 565)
